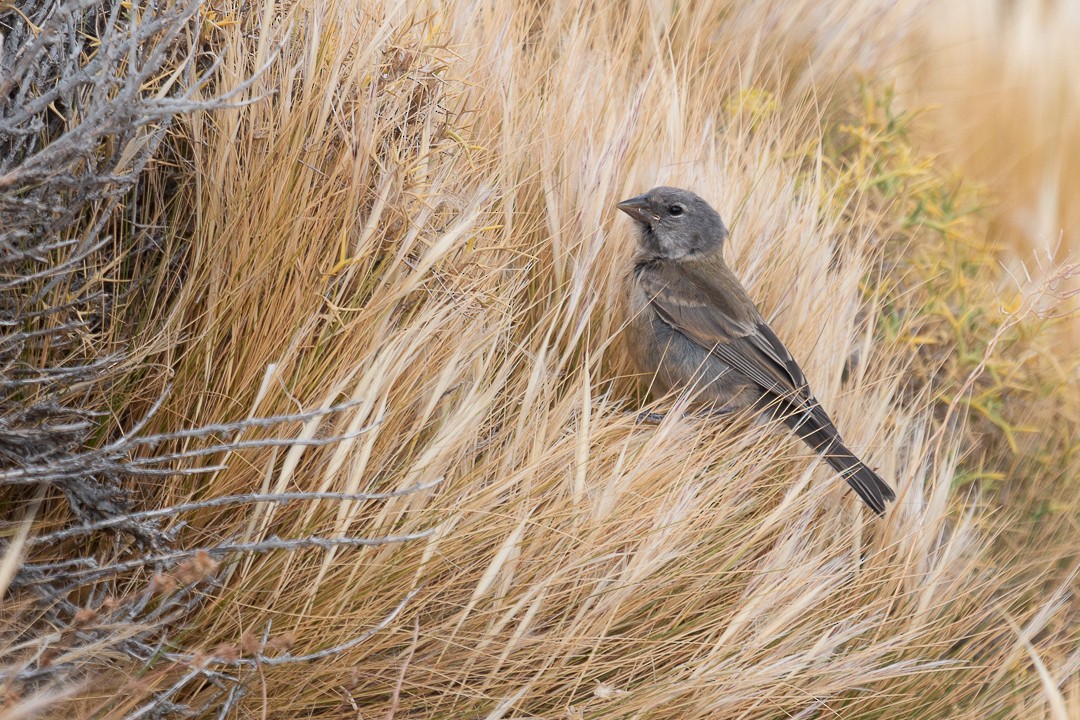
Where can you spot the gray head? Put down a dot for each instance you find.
(674, 222)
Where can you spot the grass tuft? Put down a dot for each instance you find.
(400, 242)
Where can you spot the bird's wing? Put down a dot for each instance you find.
(728, 325)
(730, 328)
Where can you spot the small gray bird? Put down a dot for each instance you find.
(693, 325)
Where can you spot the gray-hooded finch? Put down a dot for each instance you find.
(693, 325)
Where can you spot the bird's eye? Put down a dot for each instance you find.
(676, 209)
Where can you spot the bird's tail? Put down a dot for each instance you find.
(817, 431)
(874, 491)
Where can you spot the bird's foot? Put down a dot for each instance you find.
(651, 418)
(648, 417)
(720, 412)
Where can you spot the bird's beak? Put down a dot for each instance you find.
(637, 208)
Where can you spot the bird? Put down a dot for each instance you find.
(692, 325)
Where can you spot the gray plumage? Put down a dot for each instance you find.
(693, 325)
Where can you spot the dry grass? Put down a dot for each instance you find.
(417, 217)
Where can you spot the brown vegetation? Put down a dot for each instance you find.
(398, 242)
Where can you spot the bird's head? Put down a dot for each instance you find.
(675, 223)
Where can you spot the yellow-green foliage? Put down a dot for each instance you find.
(980, 337)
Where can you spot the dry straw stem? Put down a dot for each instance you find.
(88, 93)
(417, 220)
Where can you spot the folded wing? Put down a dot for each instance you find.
(729, 326)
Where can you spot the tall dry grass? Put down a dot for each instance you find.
(414, 214)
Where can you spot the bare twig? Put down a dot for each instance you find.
(288, 659)
(175, 510)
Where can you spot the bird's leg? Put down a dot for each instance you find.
(654, 418)
(720, 412)
(647, 416)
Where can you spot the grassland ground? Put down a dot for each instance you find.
(405, 219)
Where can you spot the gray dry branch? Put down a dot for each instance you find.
(88, 91)
(82, 111)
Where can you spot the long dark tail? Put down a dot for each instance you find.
(817, 430)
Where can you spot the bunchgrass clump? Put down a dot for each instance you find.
(398, 242)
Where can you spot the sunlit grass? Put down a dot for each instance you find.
(416, 215)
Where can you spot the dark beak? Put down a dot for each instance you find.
(637, 208)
